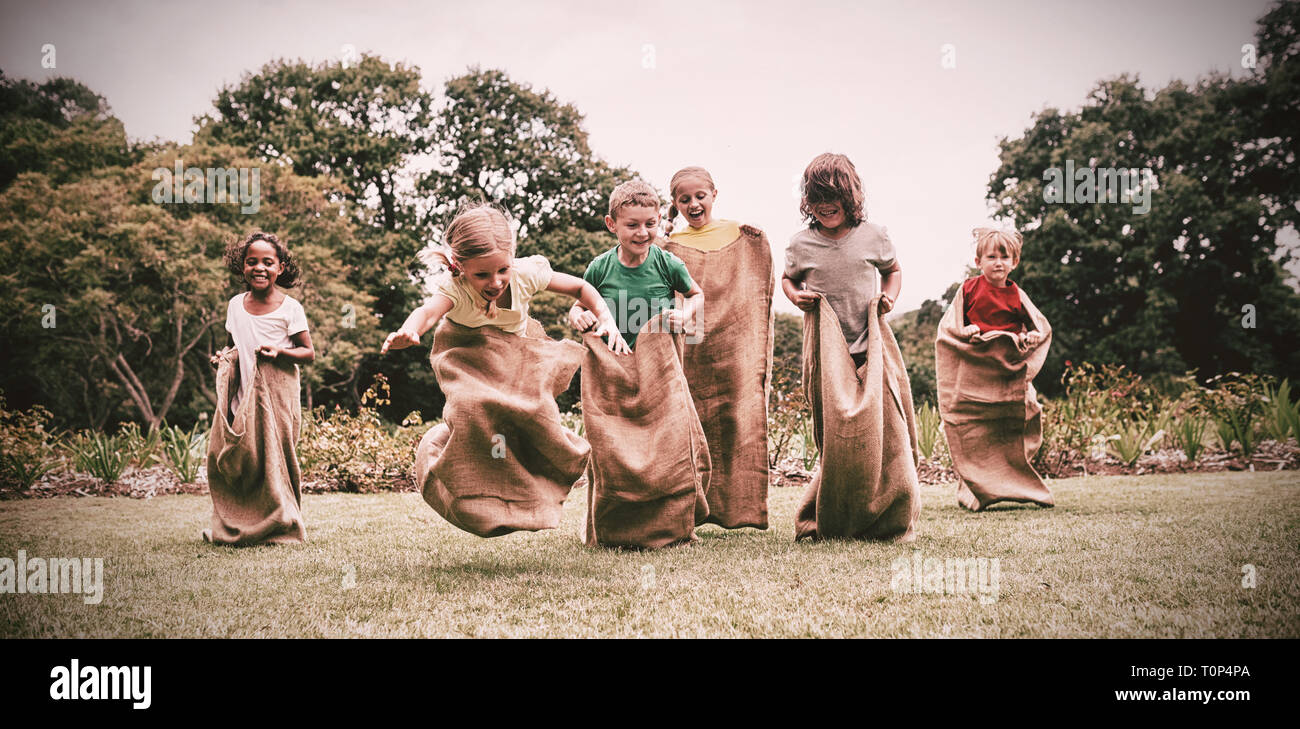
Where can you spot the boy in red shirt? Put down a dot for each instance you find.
(992, 303)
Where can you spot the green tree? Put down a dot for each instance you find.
(1167, 291)
(59, 127)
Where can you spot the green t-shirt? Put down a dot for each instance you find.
(636, 295)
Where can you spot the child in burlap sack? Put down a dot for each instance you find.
(989, 346)
(501, 460)
(838, 255)
(253, 472)
(692, 194)
(854, 377)
(991, 300)
(485, 285)
(638, 277)
(729, 363)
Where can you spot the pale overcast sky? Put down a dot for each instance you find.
(750, 90)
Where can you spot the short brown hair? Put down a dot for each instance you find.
(832, 178)
(637, 193)
(1004, 241)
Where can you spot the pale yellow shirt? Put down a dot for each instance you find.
(711, 237)
(528, 276)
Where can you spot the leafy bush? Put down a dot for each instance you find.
(1134, 439)
(142, 446)
(929, 429)
(1236, 401)
(184, 451)
(26, 445)
(101, 455)
(1189, 433)
(809, 438)
(787, 412)
(1281, 416)
(358, 452)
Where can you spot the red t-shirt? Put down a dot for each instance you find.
(994, 308)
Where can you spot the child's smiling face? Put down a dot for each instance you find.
(636, 227)
(996, 264)
(694, 199)
(830, 215)
(489, 274)
(262, 266)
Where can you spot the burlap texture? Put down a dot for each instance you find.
(650, 465)
(500, 461)
(253, 472)
(729, 369)
(991, 416)
(866, 485)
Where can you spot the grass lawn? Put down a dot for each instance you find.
(1124, 556)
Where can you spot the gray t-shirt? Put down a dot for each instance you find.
(844, 271)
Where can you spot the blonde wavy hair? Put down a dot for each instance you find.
(478, 229)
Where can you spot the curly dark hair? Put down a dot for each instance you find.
(235, 252)
(832, 178)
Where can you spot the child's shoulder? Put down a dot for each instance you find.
(968, 286)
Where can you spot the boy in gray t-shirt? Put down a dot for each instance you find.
(839, 254)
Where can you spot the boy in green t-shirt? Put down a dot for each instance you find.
(637, 278)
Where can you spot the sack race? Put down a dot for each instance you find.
(991, 416)
(865, 428)
(500, 461)
(253, 472)
(650, 466)
(729, 369)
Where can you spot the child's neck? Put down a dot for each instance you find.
(836, 233)
(270, 296)
(628, 259)
(1005, 280)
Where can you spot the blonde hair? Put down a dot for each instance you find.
(1004, 241)
(477, 230)
(637, 193)
(680, 177)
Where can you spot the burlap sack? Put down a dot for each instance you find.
(650, 465)
(500, 461)
(729, 369)
(865, 428)
(991, 415)
(253, 457)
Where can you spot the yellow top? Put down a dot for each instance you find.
(711, 237)
(528, 276)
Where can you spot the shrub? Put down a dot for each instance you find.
(1236, 401)
(358, 452)
(787, 411)
(1189, 434)
(26, 445)
(142, 447)
(929, 429)
(184, 451)
(101, 455)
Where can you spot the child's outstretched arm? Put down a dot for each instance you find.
(588, 300)
(805, 300)
(891, 282)
(420, 321)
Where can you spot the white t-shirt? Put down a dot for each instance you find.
(251, 331)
